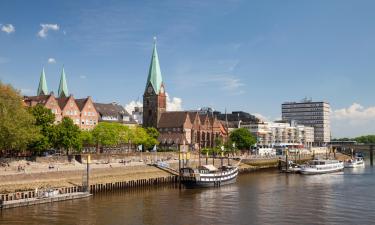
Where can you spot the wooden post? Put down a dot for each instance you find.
(179, 168)
(371, 155)
(286, 160)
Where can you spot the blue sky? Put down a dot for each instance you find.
(239, 55)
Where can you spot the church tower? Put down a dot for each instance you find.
(154, 98)
(63, 86)
(42, 88)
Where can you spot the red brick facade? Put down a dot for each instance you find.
(81, 111)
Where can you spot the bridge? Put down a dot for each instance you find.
(349, 147)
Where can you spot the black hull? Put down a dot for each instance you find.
(206, 184)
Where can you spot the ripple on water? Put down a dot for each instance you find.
(257, 198)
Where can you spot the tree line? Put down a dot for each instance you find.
(365, 139)
(34, 129)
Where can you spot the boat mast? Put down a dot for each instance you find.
(199, 141)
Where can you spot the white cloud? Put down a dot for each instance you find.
(227, 83)
(174, 104)
(83, 76)
(261, 117)
(8, 28)
(131, 105)
(51, 60)
(352, 121)
(45, 28)
(355, 112)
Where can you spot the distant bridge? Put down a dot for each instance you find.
(351, 147)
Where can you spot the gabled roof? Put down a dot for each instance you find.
(62, 101)
(173, 119)
(40, 99)
(113, 110)
(110, 109)
(154, 73)
(42, 88)
(81, 103)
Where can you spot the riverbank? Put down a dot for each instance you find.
(59, 174)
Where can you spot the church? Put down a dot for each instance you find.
(177, 128)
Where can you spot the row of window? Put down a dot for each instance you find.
(74, 112)
(87, 122)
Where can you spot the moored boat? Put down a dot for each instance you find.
(208, 176)
(353, 163)
(322, 166)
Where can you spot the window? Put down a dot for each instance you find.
(85, 113)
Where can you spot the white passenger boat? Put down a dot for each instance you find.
(208, 176)
(322, 166)
(353, 163)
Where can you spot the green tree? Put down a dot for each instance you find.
(44, 119)
(86, 138)
(242, 138)
(17, 127)
(68, 136)
(366, 139)
(152, 132)
(105, 134)
(152, 137)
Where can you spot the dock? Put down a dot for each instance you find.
(36, 201)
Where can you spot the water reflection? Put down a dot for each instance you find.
(260, 198)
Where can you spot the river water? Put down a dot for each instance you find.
(266, 197)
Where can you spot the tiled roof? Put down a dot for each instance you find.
(62, 101)
(42, 99)
(81, 103)
(113, 110)
(173, 119)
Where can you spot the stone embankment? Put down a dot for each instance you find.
(106, 173)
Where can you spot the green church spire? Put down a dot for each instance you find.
(42, 88)
(63, 87)
(154, 73)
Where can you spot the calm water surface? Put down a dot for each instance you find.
(258, 198)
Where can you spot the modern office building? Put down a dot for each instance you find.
(281, 133)
(310, 113)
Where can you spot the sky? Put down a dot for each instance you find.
(229, 54)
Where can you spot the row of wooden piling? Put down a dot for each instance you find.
(106, 187)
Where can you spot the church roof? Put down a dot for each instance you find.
(154, 73)
(173, 119)
(63, 87)
(42, 88)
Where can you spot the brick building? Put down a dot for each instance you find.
(81, 111)
(178, 127)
